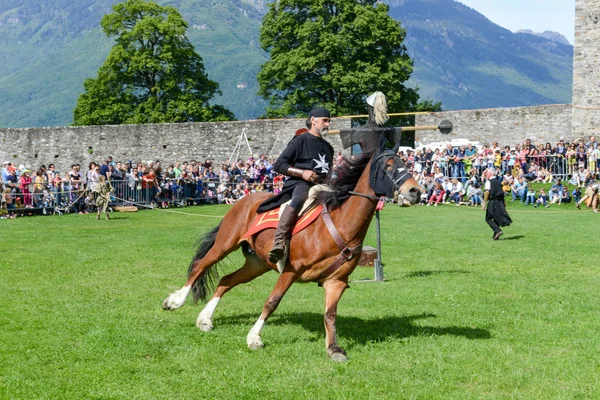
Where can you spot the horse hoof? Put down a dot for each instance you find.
(338, 357)
(175, 300)
(256, 346)
(204, 326)
(166, 305)
(255, 343)
(170, 304)
(336, 353)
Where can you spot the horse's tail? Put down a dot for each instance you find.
(210, 277)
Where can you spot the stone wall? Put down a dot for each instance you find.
(63, 146)
(508, 126)
(586, 68)
(217, 140)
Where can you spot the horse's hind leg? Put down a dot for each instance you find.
(177, 298)
(216, 245)
(253, 268)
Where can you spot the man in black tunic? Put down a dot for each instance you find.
(496, 215)
(306, 161)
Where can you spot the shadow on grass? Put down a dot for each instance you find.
(423, 274)
(112, 216)
(516, 237)
(362, 331)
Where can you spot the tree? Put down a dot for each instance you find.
(151, 75)
(333, 53)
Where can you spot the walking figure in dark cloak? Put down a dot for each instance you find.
(495, 212)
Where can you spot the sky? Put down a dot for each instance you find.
(536, 15)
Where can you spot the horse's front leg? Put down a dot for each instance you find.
(333, 292)
(283, 284)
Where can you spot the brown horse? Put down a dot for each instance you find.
(326, 252)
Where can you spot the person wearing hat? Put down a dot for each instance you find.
(11, 180)
(494, 204)
(306, 161)
(5, 170)
(582, 177)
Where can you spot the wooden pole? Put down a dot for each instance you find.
(389, 115)
(402, 128)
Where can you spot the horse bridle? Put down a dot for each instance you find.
(401, 177)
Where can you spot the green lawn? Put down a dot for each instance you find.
(460, 316)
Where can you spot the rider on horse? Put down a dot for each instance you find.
(306, 160)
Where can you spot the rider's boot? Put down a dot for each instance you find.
(286, 224)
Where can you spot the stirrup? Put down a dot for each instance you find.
(277, 252)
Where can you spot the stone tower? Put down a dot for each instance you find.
(586, 69)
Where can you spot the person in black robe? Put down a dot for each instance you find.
(494, 204)
(306, 161)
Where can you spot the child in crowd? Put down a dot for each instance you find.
(438, 195)
(47, 199)
(506, 187)
(512, 159)
(8, 199)
(566, 194)
(544, 176)
(556, 192)
(475, 195)
(593, 156)
(576, 195)
(497, 159)
(530, 195)
(542, 199)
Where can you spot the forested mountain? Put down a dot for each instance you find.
(49, 47)
(465, 61)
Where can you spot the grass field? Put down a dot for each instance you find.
(459, 317)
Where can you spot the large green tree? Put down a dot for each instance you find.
(152, 74)
(333, 53)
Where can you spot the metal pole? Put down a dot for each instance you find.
(277, 139)
(237, 144)
(378, 266)
(247, 143)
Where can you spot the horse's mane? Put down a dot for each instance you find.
(341, 180)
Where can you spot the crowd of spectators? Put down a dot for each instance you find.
(181, 183)
(453, 175)
(449, 175)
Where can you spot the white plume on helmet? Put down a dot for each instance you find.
(378, 102)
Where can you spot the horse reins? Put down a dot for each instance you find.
(348, 253)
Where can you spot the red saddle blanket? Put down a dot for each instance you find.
(270, 219)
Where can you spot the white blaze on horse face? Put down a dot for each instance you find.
(176, 299)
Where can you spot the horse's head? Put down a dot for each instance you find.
(389, 175)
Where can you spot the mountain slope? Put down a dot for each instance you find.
(465, 61)
(49, 47)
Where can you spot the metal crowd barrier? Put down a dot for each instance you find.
(557, 166)
(46, 198)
